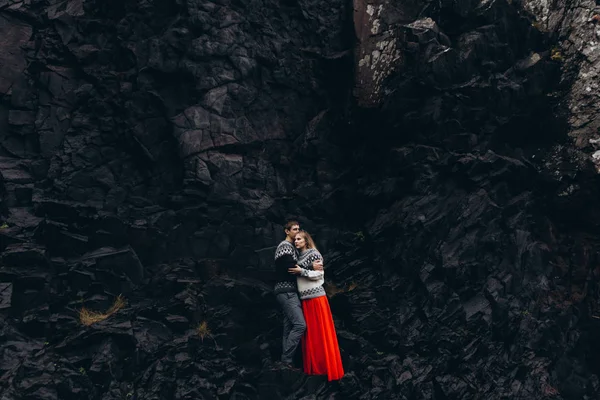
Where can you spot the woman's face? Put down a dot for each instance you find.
(299, 241)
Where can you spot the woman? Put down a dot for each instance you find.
(320, 350)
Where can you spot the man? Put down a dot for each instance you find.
(286, 292)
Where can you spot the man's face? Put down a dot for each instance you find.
(293, 231)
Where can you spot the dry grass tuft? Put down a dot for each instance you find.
(332, 289)
(556, 55)
(202, 330)
(89, 317)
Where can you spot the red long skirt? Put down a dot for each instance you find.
(320, 350)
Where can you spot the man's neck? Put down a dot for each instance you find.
(289, 239)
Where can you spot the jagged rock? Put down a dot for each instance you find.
(575, 28)
(153, 150)
(15, 34)
(6, 290)
(123, 261)
(378, 49)
(280, 383)
(18, 257)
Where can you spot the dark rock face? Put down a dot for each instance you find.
(575, 25)
(153, 149)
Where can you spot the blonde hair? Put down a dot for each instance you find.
(310, 243)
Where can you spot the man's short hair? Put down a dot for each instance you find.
(288, 225)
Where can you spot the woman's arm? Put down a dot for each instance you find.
(312, 275)
(307, 273)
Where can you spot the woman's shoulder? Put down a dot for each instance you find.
(314, 253)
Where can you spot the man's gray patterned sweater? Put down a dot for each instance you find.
(285, 258)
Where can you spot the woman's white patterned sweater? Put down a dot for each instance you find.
(310, 283)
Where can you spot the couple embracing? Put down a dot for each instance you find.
(306, 313)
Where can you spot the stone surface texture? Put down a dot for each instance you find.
(442, 154)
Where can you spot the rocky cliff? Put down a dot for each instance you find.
(442, 153)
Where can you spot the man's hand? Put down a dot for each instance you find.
(296, 270)
(318, 265)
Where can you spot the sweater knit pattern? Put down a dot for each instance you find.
(310, 283)
(285, 248)
(285, 287)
